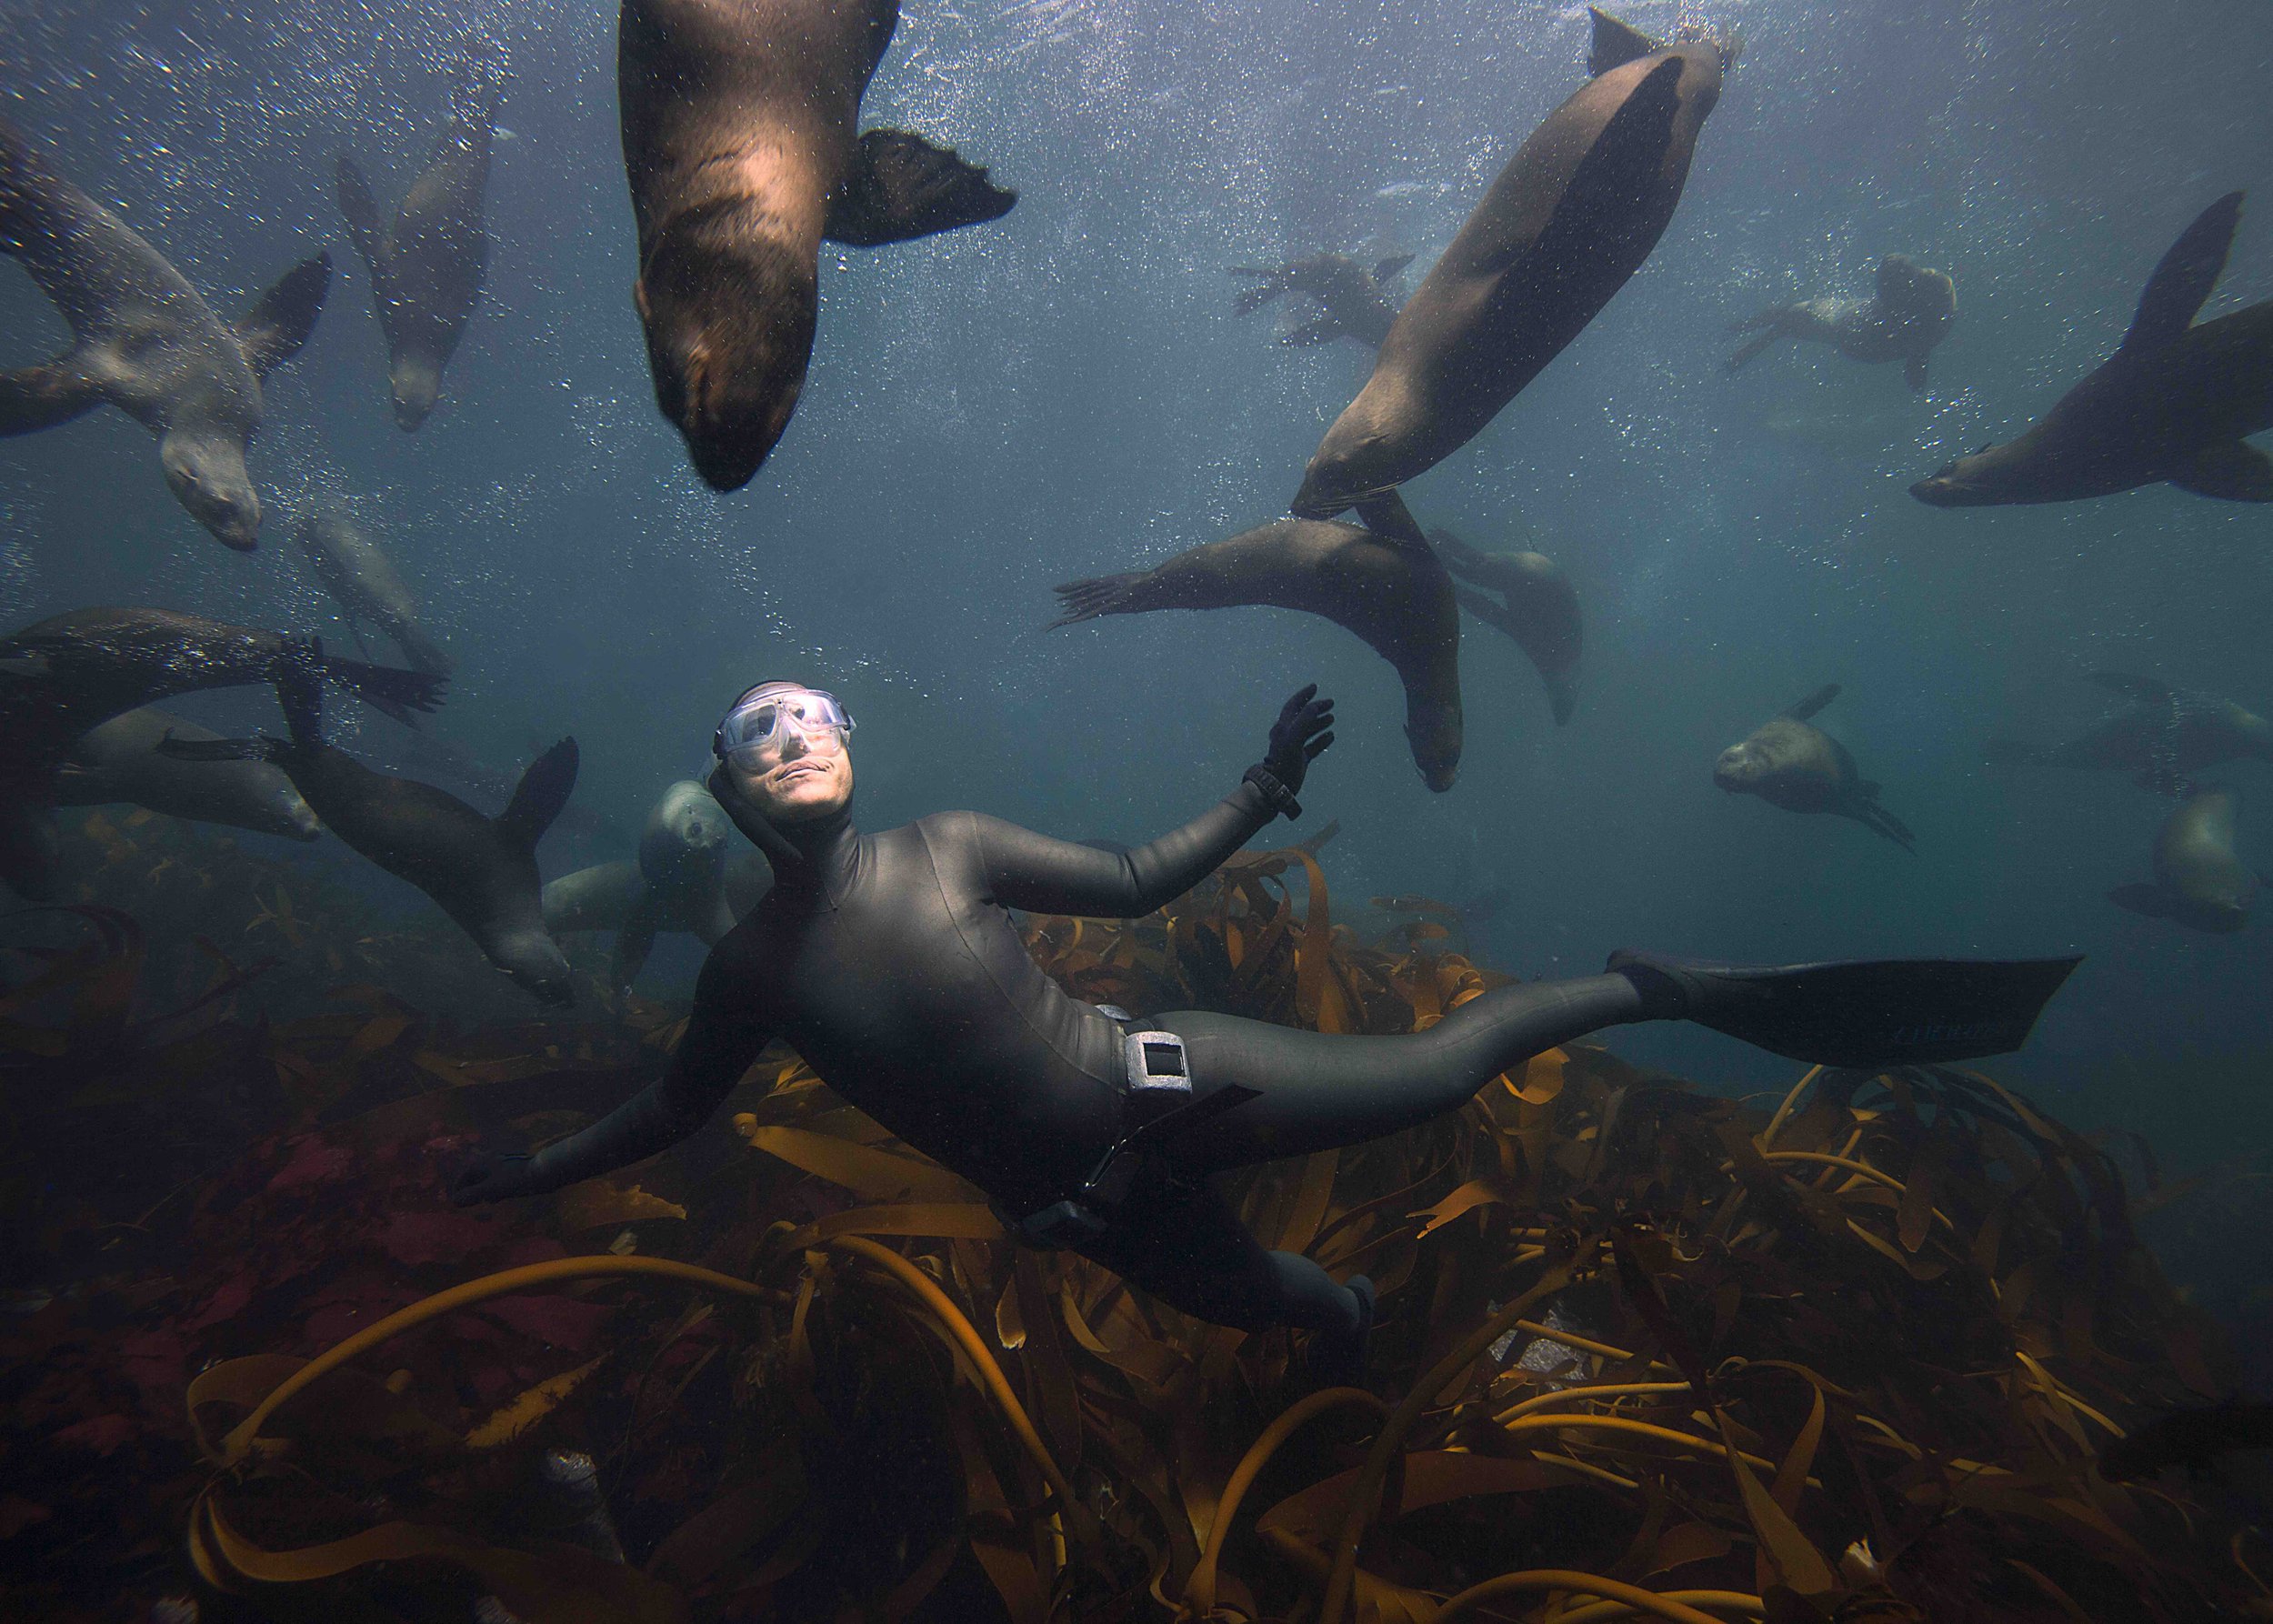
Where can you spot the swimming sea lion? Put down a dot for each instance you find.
(481, 870)
(1395, 596)
(1788, 764)
(688, 878)
(1572, 215)
(145, 341)
(69, 674)
(1912, 312)
(2199, 881)
(426, 271)
(2167, 735)
(119, 762)
(1537, 606)
(362, 580)
(740, 121)
(2173, 403)
(1354, 296)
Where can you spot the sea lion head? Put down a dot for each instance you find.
(729, 311)
(416, 383)
(537, 967)
(1744, 767)
(1367, 452)
(207, 475)
(685, 839)
(1434, 728)
(1973, 481)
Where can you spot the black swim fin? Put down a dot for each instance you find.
(1866, 1013)
(900, 187)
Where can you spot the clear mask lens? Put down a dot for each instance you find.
(757, 730)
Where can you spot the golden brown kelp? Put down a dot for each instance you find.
(1644, 1351)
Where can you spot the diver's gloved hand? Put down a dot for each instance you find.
(1305, 728)
(747, 818)
(487, 1175)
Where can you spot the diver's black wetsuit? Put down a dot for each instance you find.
(891, 964)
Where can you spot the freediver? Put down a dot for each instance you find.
(891, 964)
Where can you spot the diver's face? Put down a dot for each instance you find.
(797, 777)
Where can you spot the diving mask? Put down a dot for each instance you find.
(761, 720)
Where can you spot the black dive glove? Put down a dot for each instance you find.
(487, 1175)
(1304, 729)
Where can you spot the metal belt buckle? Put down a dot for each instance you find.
(1159, 1073)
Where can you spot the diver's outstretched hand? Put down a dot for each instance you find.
(487, 1175)
(1303, 730)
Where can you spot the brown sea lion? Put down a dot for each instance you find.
(1912, 312)
(481, 870)
(2166, 735)
(362, 580)
(1353, 297)
(427, 269)
(2200, 881)
(119, 762)
(2174, 402)
(1801, 769)
(1395, 596)
(67, 675)
(690, 877)
(145, 341)
(1572, 215)
(742, 144)
(1536, 605)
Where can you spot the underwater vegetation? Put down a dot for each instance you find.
(1851, 1354)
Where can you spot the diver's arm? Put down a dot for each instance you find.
(720, 1042)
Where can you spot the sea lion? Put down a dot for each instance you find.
(1354, 296)
(1801, 769)
(1537, 606)
(2167, 735)
(69, 674)
(119, 762)
(2199, 881)
(1395, 596)
(1912, 312)
(2173, 403)
(740, 132)
(687, 879)
(426, 271)
(1572, 215)
(481, 870)
(146, 342)
(362, 581)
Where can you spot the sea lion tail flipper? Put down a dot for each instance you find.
(1387, 269)
(1865, 1014)
(388, 689)
(1322, 329)
(2144, 899)
(2232, 471)
(537, 799)
(272, 331)
(1562, 695)
(1458, 556)
(357, 207)
(1086, 600)
(1914, 374)
(900, 187)
(1813, 702)
(1614, 43)
(1269, 285)
(37, 398)
(1752, 350)
(2183, 278)
(1879, 821)
(259, 747)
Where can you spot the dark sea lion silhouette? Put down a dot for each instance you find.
(690, 877)
(742, 144)
(145, 341)
(481, 870)
(1572, 215)
(1912, 312)
(66, 676)
(1353, 297)
(2173, 403)
(1394, 594)
(426, 268)
(1801, 768)
(362, 580)
(2166, 735)
(2200, 882)
(1537, 606)
(119, 762)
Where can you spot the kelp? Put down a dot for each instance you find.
(1644, 1350)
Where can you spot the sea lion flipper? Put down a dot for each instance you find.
(1086, 600)
(898, 187)
(1614, 43)
(634, 941)
(358, 208)
(1750, 350)
(37, 398)
(1914, 374)
(1813, 702)
(2232, 471)
(2183, 278)
(537, 799)
(2144, 899)
(1385, 269)
(272, 331)
(388, 689)
(1323, 329)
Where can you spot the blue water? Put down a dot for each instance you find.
(1065, 393)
